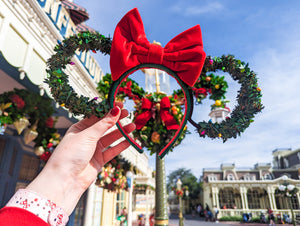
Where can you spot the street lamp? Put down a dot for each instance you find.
(178, 185)
(288, 190)
(129, 177)
(158, 81)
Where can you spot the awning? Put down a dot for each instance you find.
(77, 13)
(83, 27)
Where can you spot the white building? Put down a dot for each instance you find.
(29, 30)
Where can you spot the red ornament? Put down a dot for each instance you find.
(45, 156)
(49, 122)
(113, 179)
(94, 51)
(18, 101)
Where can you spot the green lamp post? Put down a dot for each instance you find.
(178, 185)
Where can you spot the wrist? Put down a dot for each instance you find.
(60, 189)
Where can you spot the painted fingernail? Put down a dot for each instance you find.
(115, 111)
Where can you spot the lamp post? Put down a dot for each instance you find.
(129, 176)
(187, 198)
(178, 185)
(157, 81)
(288, 191)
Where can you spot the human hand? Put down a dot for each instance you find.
(79, 157)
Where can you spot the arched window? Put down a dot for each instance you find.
(267, 176)
(230, 177)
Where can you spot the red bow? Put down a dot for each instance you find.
(183, 54)
(127, 89)
(148, 113)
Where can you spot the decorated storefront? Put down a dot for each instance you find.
(31, 123)
(237, 191)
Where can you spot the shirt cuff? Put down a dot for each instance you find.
(40, 206)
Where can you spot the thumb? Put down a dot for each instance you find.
(97, 130)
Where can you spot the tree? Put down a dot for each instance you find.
(187, 178)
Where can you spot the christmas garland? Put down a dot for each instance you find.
(249, 96)
(180, 192)
(154, 134)
(113, 175)
(287, 190)
(23, 108)
(248, 99)
(58, 80)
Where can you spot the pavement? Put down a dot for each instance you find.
(189, 220)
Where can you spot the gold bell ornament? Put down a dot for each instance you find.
(21, 124)
(30, 133)
(39, 150)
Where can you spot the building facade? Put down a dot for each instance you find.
(29, 30)
(252, 190)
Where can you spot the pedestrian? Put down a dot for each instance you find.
(74, 165)
(216, 211)
(271, 217)
(152, 218)
(199, 209)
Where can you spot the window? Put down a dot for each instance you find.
(267, 176)
(212, 178)
(120, 202)
(230, 177)
(249, 177)
(253, 199)
(79, 211)
(226, 197)
(286, 163)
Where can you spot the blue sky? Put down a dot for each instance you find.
(266, 34)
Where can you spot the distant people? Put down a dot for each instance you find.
(199, 209)
(208, 214)
(122, 218)
(152, 218)
(216, 211)
(271, 217)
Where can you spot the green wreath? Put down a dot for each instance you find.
(58, 80)
(248, 99)
(249, 96)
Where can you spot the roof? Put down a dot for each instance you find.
(77, 13)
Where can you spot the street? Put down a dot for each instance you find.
(193, 221)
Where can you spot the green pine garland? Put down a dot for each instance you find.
(58, 80)
(248, 99)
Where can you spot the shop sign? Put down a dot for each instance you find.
(64, 24)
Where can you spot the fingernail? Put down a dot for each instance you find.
(115, 111)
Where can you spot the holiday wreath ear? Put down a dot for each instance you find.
(182, 58)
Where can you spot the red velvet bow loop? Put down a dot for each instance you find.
(183, 54)
(149, 112)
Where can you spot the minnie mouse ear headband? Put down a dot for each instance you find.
(183, 58)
